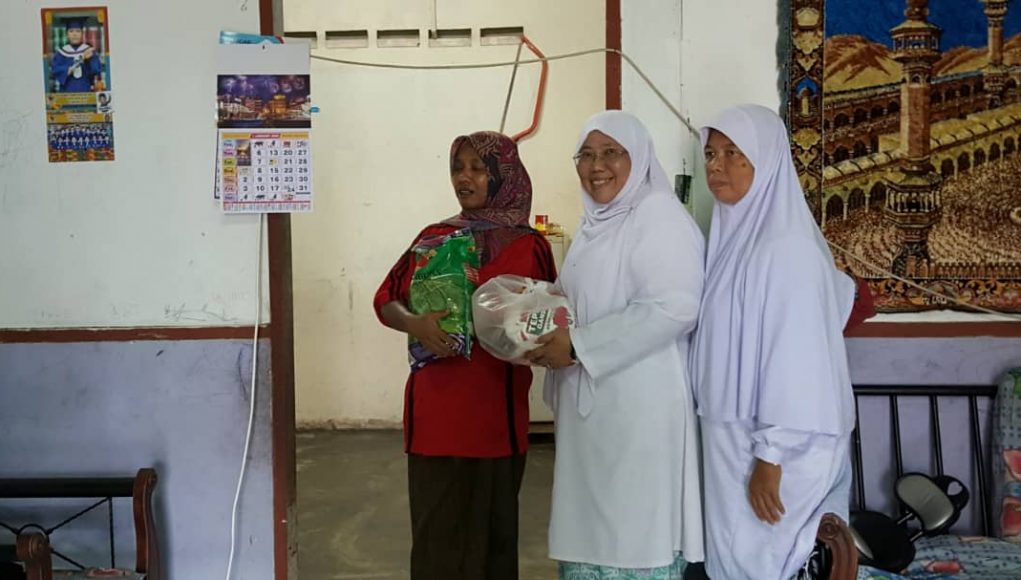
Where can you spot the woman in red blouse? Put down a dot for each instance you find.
(466, 420)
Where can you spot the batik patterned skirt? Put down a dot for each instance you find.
(579, 571)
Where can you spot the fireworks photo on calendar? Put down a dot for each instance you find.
(263, 101)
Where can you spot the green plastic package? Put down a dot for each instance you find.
(446, 274)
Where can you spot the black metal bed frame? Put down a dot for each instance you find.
(105, 488)
(933, 393)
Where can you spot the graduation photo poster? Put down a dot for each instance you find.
(76, 73)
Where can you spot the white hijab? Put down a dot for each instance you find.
(646, 172)
(591, 277)
(770, 339)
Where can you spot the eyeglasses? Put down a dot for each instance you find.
(607, 155)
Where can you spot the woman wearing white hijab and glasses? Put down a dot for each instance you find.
(769, 366)
(626, 490)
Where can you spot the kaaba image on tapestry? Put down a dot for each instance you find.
(905, 122)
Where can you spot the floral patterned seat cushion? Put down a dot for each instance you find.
(957, 557)
(1006, 486)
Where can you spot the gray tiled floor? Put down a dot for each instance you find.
(353, 507)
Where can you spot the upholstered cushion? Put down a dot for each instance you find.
(960, 557)
(1006, 482)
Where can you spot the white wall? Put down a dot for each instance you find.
(137, 241)
(704, 55)
(651, 34)
(730, 59)
(381, 174)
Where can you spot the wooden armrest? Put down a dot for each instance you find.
(834, 534)
(140, 488)
(147, 560)
(34, 551)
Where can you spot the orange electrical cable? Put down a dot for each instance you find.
(541, 96)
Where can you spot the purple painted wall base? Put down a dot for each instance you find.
(106, 409)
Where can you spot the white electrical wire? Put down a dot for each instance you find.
(687, 124)
(888, 274)
(436, 22)
(251, 402)
(625, 57)
(510, 88)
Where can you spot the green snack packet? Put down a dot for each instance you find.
(446, 274)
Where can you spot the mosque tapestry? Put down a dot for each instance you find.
(905, 120)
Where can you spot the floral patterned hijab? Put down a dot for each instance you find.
(509, 203)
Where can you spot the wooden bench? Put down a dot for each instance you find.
(33, 547)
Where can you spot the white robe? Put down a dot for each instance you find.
(769, 363)
(626, 489)
(816, 480)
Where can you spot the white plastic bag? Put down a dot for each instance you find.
(511, 312)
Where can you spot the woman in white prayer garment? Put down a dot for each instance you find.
(626, 490)
(769, 366)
